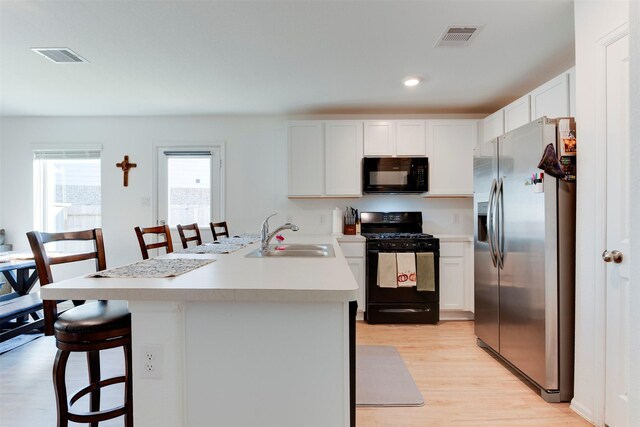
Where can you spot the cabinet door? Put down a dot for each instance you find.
(343, 151)
(451, 158)
(452, 283)
(306, 159)
(379, 138)
(517, 113)
(411, 138)
(357, 268)
(551, 99)
(493, 126)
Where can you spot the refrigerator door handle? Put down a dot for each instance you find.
(500, 220)
(490, 223)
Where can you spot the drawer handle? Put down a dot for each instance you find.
(404, 310)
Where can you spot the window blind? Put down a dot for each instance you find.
(186, 153)
(65, 154)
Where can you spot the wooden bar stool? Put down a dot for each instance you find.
(161, 231)
(88, 328)
(195, 238)
(221, 225)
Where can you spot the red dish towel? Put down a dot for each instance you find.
(406, 269)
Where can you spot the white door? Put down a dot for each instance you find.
(190, 185)
(617, 234)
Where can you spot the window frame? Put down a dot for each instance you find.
(217, 214)
(55, 148)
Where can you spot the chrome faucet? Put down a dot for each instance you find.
(265, 236)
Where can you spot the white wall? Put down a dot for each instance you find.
(593, 20)
(634, 371)
(255, 175)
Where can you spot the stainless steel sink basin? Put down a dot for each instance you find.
(302, 251)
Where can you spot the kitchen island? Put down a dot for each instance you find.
(238, 342)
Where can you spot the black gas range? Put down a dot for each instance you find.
(414, 298)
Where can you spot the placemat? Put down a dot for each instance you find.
(154, 268)
(212, 248)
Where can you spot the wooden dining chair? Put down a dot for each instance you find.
(194, 238)
(88, 328)
(162, 232)
(222, 226)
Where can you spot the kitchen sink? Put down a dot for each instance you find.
(294, 250)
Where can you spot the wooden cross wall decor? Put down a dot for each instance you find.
(126, 166)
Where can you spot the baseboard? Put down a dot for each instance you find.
(456, 315)
(581, 410)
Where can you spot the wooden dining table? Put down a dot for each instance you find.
(19, 308)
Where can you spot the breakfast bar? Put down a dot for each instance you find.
(239, 341)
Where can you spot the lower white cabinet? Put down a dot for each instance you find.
(354, 253)
(456, 278)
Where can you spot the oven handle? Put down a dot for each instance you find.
(404, 310)
(490, 223)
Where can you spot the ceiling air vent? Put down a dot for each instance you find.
(59, 55)
(457, 36)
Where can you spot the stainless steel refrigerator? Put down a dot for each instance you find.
(525, 256)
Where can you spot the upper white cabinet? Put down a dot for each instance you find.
(343, 156)
(394, 138)
(306, 159)
(379, 137)
(451, 145)
(551, 99)
(324, 159)
(493, 126)
(517, 113)
(411, 138)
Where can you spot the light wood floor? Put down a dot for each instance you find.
(462, 384)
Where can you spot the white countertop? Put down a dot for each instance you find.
(454, 237)
(232, 277)
(351, 238)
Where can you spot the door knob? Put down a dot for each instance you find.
(615, 256)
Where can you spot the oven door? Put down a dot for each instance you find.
(378, 295)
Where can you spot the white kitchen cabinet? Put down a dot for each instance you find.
(456, 277)
(343, 156)
(551, 99)
(324, 159)
(306, 159)
(411, 138)
(493, 126)
(354, 252)
(517, 113)
(394, 138)
(451, 144)
(379, 137)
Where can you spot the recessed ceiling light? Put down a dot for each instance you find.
(412, 81)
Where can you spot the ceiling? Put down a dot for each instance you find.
(276, 57)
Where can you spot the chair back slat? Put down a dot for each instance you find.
(161, 231)
(224, 230)
(194, 238)
(44, 261)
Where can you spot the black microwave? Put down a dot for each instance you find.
(395, 174)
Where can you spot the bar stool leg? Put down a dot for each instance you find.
(93, 363)
(128, 378)
(59, 369)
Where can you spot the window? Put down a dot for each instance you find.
(67, 190)
(189, 185)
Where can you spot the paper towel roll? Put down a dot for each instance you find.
(337, 221)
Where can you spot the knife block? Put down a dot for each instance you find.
(349, 229)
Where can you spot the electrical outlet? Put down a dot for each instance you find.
(456, 218)
(322, 220)
(290, 218)
(151, 361)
